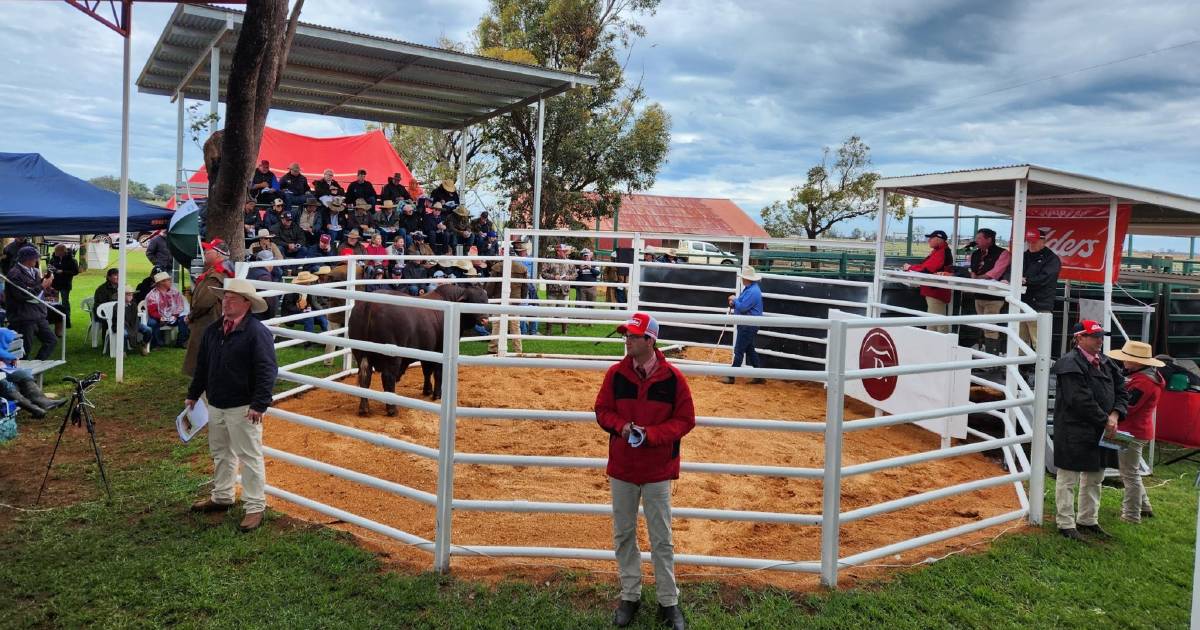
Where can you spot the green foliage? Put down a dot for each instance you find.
(201, 123)
(137, 190)
(433, 155)
(831, 193)
(164, 191)
(599, 141)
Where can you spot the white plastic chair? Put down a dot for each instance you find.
(105, 314)
(94, 327)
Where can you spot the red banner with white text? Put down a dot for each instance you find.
(1078, 235)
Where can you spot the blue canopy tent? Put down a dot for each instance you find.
(36, 198)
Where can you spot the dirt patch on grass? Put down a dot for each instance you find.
(575, 390)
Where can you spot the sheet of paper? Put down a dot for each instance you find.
(189, 422)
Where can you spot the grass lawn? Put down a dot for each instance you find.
(145, 561)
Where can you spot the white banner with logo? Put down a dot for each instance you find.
(906, 345)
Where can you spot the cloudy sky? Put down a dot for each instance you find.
(755, 89)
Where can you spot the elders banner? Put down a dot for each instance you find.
(1078, 235)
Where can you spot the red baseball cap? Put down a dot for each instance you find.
(640, 324)
(326, 239)
(216, 245)
(1089, 328)
(1034, 233)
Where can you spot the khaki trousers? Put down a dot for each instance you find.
(1136, 500)
(233, 440)
(989, 307)
(1088, 486)
(936, 307)
(1029, 334)
(514, 328)
(656, 501)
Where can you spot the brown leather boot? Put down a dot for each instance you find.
(207, 506)
(251, 522)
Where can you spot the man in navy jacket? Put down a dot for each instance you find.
(235, 370)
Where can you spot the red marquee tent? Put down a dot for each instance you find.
(344, 154)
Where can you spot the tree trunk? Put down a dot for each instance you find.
(257, 64)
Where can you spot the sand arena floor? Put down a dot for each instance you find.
(575, 390)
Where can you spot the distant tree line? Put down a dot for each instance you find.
(137, 190)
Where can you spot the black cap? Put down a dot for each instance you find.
(938, 233)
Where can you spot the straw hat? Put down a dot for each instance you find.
(305, 277)
(462, 211)
(160, 276)
(241, 287)
(749, 273)
(466, 267)
(361, 204)
(1136, 352)
(448, 185)
(388, 204)
(520, 246)
(265, 233)
(324, 270)
(337, 204)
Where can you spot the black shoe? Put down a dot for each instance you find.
(1147, 513)
(1094, 530)
(1072, 534)
(671, 617)
(625, 612)
(758, 381)
(728, 380)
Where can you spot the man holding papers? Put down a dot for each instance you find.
(1090, 400)
(235, 371)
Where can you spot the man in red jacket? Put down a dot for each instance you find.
(646, 407)
(940, 261)
(1144, 386)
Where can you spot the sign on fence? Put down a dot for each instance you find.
(868, 348)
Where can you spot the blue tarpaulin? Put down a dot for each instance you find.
(36, 198)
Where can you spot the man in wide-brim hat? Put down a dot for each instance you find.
(235, 372)
(748, 302)
(1144, 385)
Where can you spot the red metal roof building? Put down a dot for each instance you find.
(681, 215)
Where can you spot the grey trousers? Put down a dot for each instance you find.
(1088, 486)
(656, 500)
(1136, 500)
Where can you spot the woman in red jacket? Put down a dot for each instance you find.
(939, 261)
(1144, 386)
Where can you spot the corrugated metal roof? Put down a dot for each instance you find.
(335, 72)
(683, 215)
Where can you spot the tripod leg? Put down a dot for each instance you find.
(91, 427)
(62, 427)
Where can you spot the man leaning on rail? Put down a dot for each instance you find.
(646, 407)
(748, 302)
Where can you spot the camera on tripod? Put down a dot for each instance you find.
(79, 412)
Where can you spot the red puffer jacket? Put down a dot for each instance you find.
(937, 261)
(662, 404)
(1144, 387)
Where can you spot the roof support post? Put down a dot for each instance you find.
(1109, 247)
(954, 232)
(537, 181)
(462, 161)
(214, 83)
(873, 309)
(178, 146)
(118, 344)
(1016, 275)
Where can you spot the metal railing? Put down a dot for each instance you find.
(1021, 429)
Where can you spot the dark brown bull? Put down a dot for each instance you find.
(408, 327)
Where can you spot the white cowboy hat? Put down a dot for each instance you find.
(305, 277)
(160, 276)
(749, 273)
(1136, 352)
(467, 267)
(265, 233)
(243, 288)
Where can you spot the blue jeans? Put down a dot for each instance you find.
(155, 333)
(744, 346)
(319, 320)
